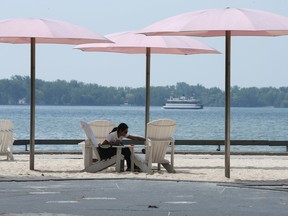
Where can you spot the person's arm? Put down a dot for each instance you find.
(137, 138)
(106, 142)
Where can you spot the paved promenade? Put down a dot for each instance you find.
(58, 186)
(139, 198)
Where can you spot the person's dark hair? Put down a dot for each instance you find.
(122, 127)
(114, 129)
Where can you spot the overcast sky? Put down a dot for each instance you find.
(256, 61)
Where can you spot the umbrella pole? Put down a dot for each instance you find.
(32, 105)
(227, 102)
(147, 107)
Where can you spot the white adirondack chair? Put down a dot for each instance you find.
(98, 128)
(6, 139)
(159, 137)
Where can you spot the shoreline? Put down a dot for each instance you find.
(189, 167)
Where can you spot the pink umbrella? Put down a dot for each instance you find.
(131, 43)
(34, 31)
(222, 22)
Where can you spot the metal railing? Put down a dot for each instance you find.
(216, 143)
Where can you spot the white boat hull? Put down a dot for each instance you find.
(182, 103)
(182, 107)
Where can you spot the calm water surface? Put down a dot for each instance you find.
(62, 122)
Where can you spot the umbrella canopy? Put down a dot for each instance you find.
(20, 31)
(32, 31)
(131, 43)
(222, 22)
(216, 22)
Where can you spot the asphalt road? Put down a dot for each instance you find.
(138, 197)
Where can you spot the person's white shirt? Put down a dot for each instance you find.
(113, 138)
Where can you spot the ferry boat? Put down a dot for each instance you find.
(182, 103)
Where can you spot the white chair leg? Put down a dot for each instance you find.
(87, 156)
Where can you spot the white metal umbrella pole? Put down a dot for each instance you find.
(147, 107)
(227, 102)
(32, 105)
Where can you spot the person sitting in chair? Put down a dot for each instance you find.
(114, 138)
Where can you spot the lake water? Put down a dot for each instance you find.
(62, 122)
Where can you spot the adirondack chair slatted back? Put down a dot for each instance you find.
(90, 136)
(160, 133)
(97, 131)
(101, 128)
(6, 138)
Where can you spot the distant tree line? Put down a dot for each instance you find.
(16, 90)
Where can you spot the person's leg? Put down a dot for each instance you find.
(106, 153)
(127, 156)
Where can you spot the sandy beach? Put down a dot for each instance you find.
(207, 168)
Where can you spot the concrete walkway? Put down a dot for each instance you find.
(139, 197)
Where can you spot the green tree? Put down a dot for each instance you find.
(61, 92)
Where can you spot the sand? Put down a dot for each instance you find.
(207, 168)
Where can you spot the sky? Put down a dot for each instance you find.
(255, 62)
